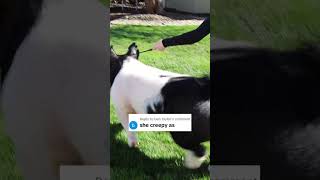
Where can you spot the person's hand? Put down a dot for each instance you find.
(159, 46)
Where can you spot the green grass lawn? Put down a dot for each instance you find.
(268, 23)
(158, 157)
(105, 2)
(8, 169)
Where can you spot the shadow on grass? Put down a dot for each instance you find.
(123, 157)
(149, 34)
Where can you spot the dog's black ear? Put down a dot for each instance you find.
(133, 51)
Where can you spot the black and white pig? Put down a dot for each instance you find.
(142, 89)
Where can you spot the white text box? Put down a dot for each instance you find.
(160, 122)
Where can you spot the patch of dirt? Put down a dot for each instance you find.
(163, 19)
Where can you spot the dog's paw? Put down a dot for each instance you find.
(192, 161)
(133, 142)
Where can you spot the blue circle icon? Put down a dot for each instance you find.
(133, 125)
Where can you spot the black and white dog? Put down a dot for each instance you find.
(267, 111)
(138, 88)
(54, 96)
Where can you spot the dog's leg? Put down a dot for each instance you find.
(195, 157)
(123, 113)
(123, 109)
(195, 152)
(34, 159)
(28, 127)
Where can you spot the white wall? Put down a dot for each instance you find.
(192, 6)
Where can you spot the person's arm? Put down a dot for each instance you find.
(190, 37)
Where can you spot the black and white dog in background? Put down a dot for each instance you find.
(267, 111)
(138, 88)
(53, 63)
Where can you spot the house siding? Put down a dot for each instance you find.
(191, 6)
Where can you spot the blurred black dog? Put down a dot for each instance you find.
(16, 20)
(53, 100)
(267, 111)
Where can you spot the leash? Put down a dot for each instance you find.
(146, 51)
